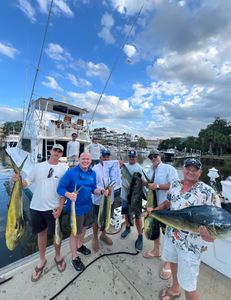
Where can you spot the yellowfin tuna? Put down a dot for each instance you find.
(14, 225)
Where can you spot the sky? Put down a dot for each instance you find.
(169, 60)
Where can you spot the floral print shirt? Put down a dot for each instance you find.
(200, 194)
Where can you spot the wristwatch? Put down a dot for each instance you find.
(157, 187)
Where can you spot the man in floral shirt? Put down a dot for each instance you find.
(181, 248)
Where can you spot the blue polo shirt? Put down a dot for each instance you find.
(79, 178)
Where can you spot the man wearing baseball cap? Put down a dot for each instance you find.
(182, 248)
(162, 174)
(96, 199)
(132, 166)
(46, 205)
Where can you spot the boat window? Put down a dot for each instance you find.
(26, 145)
(60, 108)
(73, 112)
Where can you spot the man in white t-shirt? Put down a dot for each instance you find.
(101, 181)
(95, 150)
(164, 174)
(73, 148)
(46, 205)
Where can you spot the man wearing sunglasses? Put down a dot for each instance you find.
(164, 174)
(45, 176)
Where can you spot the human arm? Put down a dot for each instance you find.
(205, 235)
(66, 186)
(57, 212)
(164, 205)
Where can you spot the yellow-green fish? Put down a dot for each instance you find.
(14, 225)
(73, 219)
(104, 216)
(151, 226)
(215, 219)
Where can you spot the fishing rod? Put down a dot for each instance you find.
(116, 61)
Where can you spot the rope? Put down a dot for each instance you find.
(103, 255)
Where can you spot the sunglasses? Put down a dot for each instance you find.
(152, 156)
(50, 173)
(58, 150)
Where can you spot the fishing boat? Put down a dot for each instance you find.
(49, 122)
(11, 140)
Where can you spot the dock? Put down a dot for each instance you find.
(116, 277)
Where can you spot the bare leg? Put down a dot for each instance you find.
(126, 221)
(175, 285)
(73, 245)
(81, 237)
(95, 231)
(139, 226)
(192, 295)
(42, 244)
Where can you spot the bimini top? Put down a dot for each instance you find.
(53, 106)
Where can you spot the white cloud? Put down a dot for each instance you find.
(59, 7)
(78, 82)
(107, 22)
(8, 114)
(57, 52)
(52, 83)
(130, 50)
(26, 7)
(8, 50)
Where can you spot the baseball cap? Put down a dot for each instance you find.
(132, 153)
(58, 146)
(105, 152)
(153, 153)
(193, 162)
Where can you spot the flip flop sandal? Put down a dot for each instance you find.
(38, 272)
(149, 254)
(166, 294)
(168, 273)
(61, 265)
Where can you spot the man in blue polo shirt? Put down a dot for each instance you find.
(80, 176)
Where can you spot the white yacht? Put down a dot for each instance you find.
(48, 122)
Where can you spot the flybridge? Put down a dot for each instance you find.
(53, 106)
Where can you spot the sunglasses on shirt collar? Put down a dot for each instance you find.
(50, 173)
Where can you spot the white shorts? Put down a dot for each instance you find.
(188, 264)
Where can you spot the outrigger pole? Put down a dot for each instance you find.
(115, 62)
(38, 65)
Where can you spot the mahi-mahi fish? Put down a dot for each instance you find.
(151, 226)
(73, 215)
(14, 225)
(104, 215)
(217, 220)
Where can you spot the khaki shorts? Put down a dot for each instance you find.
(188, 264)
(83, 221)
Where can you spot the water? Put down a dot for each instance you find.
(28, 243)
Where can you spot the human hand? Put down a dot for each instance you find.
(205, 235)
(152, 186)
(16, 177)
(57, 212)
(73, 196)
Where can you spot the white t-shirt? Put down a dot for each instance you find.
(100, 181)
(45, 196)
(73, 148)
(95, 150)
(164, 173)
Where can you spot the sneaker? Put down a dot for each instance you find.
(106, 239)
(77, 264)
(139, 243)
(84, 250)
(95, 245)
(125, 233)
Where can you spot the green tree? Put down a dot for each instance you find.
(141, 143)
(12, 127)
